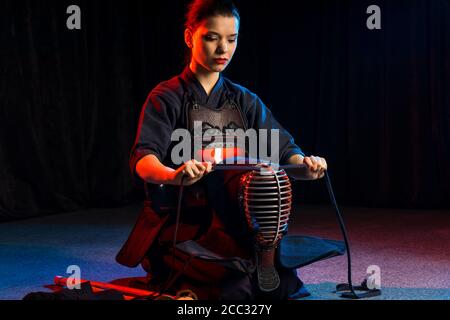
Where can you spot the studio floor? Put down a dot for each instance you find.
(411, 247)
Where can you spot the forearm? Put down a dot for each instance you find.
(150, 169)
(295, 159)
(297, 173)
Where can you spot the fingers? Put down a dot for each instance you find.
(309, 162)
(322, 163)
(317, 165)
(312, 163)
(188, 171)
(195, 170)
(203, 167)
(324, 167)
(208, 166)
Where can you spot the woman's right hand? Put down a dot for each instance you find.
(194, 171)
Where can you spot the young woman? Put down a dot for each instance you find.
(210, 213)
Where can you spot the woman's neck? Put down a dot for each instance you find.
(206, 78)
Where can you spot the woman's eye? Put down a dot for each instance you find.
(232, 40)
(209, 38)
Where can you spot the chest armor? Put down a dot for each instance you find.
(213, 130)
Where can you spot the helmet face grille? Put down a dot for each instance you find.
(266, 200)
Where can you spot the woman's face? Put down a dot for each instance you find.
(214, 42)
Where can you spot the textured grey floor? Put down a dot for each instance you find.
(412, 248)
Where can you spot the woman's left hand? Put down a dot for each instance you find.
(316, 167)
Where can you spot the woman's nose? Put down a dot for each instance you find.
(223, 47)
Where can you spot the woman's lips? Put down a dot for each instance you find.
(221, 61)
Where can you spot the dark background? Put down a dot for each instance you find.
(374, 103)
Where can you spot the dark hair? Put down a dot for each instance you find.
(199, 10)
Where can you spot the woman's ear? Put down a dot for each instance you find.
(188, 37)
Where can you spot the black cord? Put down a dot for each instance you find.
(170, 278)
(343, 230)
(349, 286)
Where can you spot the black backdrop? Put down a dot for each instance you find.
(375, 103)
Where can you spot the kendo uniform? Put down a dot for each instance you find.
(210, 218)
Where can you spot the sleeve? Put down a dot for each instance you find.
(156, 123)
(260, 117)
